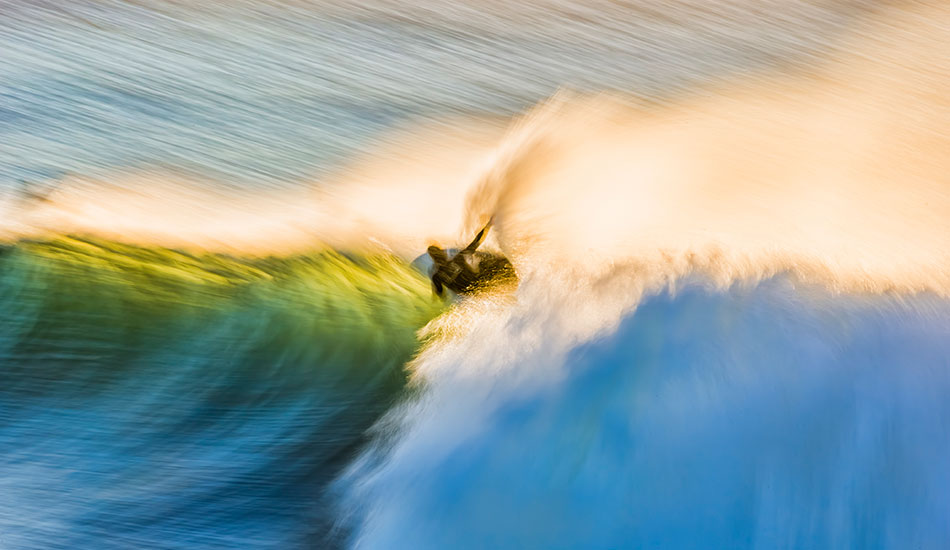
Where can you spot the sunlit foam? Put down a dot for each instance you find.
(841, 176)
(407, 192)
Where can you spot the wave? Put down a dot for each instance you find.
(730, 327)
(157, 398)
(729, 330)
(405, 194)
(839, 175)
(762, 417)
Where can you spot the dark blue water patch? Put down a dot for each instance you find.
(12, 116)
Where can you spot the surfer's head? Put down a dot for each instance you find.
(438, 255)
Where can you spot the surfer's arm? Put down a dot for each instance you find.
(478, 239)
(437, 287)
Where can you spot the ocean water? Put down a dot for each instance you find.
(154, 399)
(730, 222)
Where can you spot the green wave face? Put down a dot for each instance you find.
(70, 304)
(280, 363)
(53, 290)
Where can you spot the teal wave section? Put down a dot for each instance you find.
(155, 398)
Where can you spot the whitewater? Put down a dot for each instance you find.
(731, 327)
(731, 330)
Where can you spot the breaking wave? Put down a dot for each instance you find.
(730, 332)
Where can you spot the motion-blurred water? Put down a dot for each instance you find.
(276, 92)
(731, 329)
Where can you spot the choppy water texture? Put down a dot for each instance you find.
(279, 91)
(730, 222)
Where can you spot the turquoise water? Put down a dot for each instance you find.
(155, 399)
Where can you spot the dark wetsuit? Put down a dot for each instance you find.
(468, 269)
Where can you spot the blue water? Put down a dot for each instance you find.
(275, 93)
(771, 416)
(153, 399)
(162, 399)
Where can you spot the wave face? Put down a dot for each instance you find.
(157, 399)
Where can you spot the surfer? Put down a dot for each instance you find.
(468, 269)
